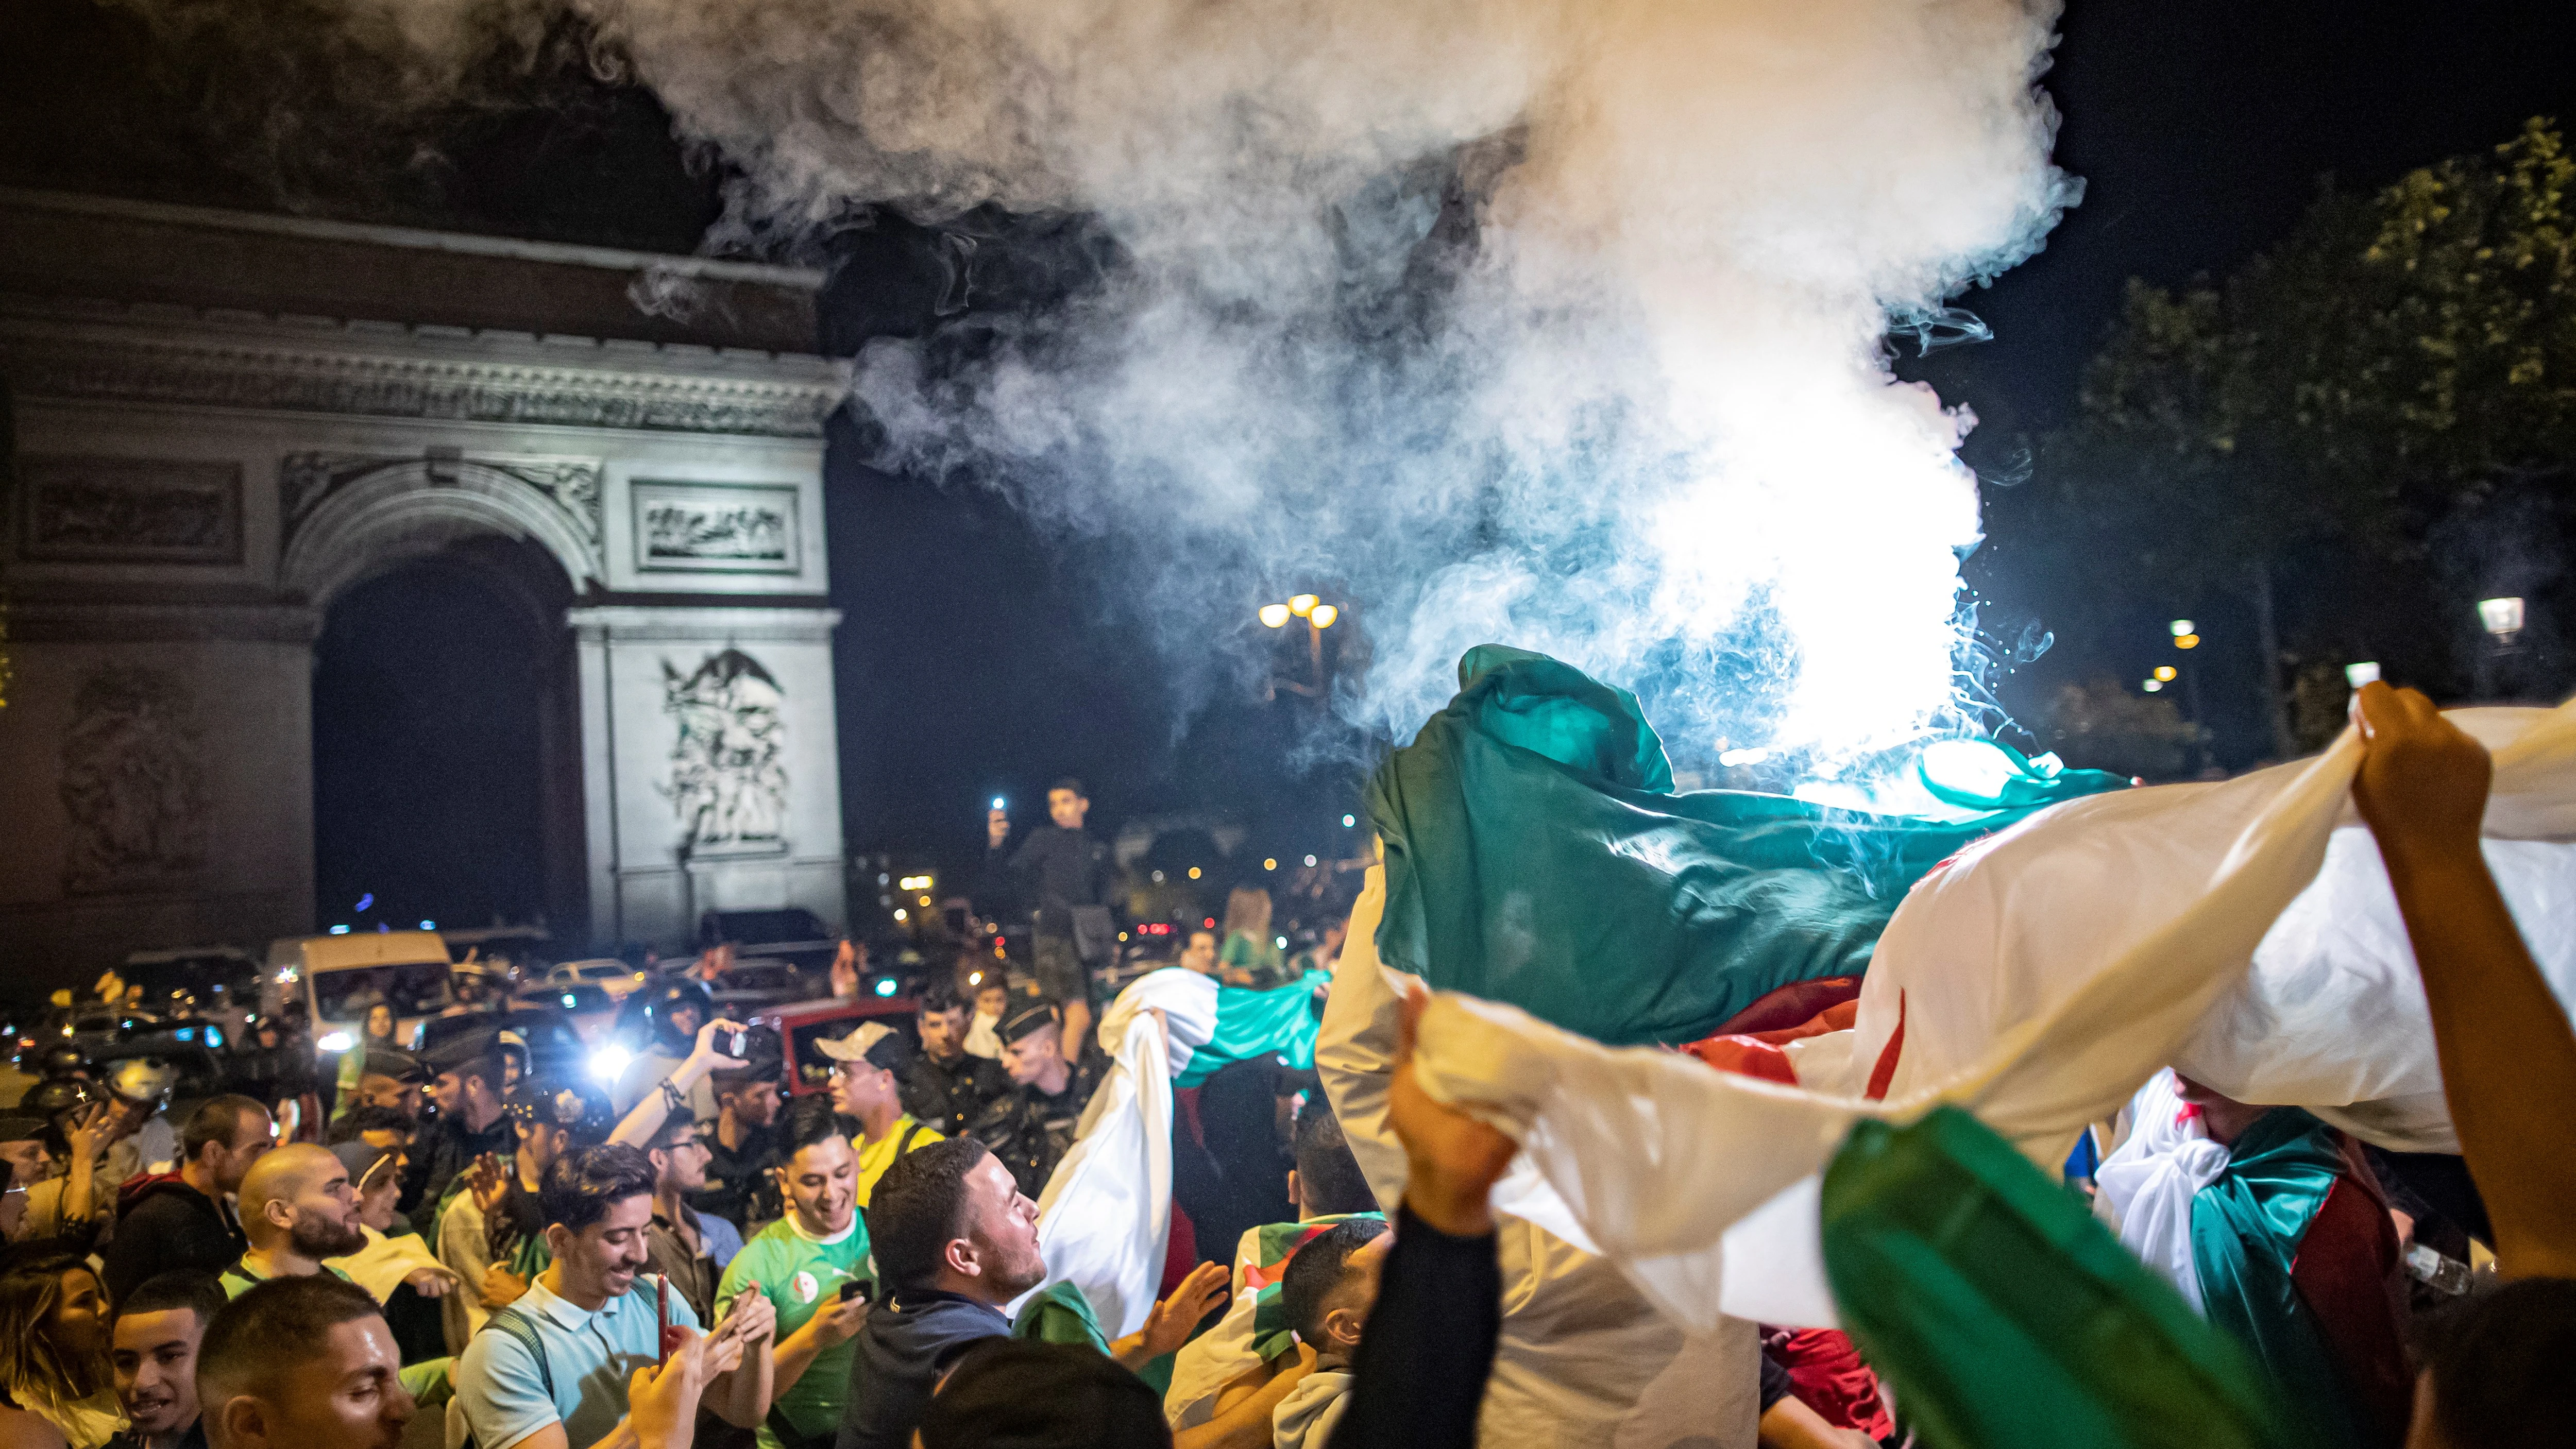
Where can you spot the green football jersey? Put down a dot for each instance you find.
(801, 1278)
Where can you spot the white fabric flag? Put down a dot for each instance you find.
(2145, 1187)
(1105, 1218)
(2040, 978)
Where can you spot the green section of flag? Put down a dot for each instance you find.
(2005, 1317)
(1280, 1020)
(1536, 854)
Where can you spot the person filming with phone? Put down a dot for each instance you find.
(1064, 880)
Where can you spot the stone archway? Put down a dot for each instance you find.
(208, 460)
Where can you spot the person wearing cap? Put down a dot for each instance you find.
(1031, 1128)
(744, 1145)
(943, 1084)
(22, 1148)
(467, 1080)
(865, 1086)
(812, 1265)
(380, 1076)
(183, 1220)
(492, 1234)
(677, 1012)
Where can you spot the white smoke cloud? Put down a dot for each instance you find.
(1556, 322)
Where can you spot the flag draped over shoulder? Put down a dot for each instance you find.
(1536, 854)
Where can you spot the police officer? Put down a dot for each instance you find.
(1032, 1126)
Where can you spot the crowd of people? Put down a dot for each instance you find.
(478, 1252)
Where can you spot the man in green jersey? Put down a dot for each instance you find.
(804, 1263)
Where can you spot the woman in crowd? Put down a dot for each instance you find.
(54, 1363)
(1250, 956)
(380, 1025)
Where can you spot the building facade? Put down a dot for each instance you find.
(222, 423)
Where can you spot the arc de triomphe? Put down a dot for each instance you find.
(224, 422)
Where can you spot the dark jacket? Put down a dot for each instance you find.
(1054, 870)
(1418, 1379)
(1031, 1130)
(169, 1225)
(951, 1099)
(908, 1341)
(445, 1150)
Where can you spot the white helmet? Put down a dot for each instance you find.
(144, 1079)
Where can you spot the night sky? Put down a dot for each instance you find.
(978, 660)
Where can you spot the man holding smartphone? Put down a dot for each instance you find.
(552, 1370)
(812, 1265)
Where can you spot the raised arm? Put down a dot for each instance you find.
(2508, 1055)
(640, 1126)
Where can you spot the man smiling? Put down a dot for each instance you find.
(158, 1328)
(552, 1370)
(804, 1262)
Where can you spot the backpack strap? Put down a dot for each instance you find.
(904, 1144)
(511, 1321)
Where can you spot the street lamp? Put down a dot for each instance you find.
(1301, 605)
(1319, 616)
(1274, 615)
(1322, 616)
(2186, 635)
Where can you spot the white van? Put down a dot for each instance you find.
(342, 978)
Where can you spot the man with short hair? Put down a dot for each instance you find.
(385, 1129)
(813, 1266)
(301, 1363)
(492, 1235)
(182, 1221)
(1325, 1295)
(1032, 1126)
(467, 1090)
(744, 1147)
(944, 1085)
(297, 1208)
(1057, 875)
(1199, 953)
(551, 1371)
(871, 1062)
(154, 1348)
(1252, 1344)
(686, 1246)
(955, 1240)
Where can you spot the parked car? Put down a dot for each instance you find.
(800, 1026)
(93, 1028)
(607, 973)
(219, 983)
(590, 1009)
(760, 984)
(794, 934)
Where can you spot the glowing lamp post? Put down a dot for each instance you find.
(1319, 616)
(2186, 635)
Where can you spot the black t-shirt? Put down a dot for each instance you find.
(739, 1188)
(170, 1227)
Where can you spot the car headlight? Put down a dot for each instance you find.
(338, 1041)
(609, 1063)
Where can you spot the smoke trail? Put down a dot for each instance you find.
(1557, 322)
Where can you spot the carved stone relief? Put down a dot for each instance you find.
(134, 782)
(129, 510)
(716, 527)
(727, 785)
(305, 479)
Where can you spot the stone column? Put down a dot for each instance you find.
(711, 776)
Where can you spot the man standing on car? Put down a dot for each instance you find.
(1066, 881)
